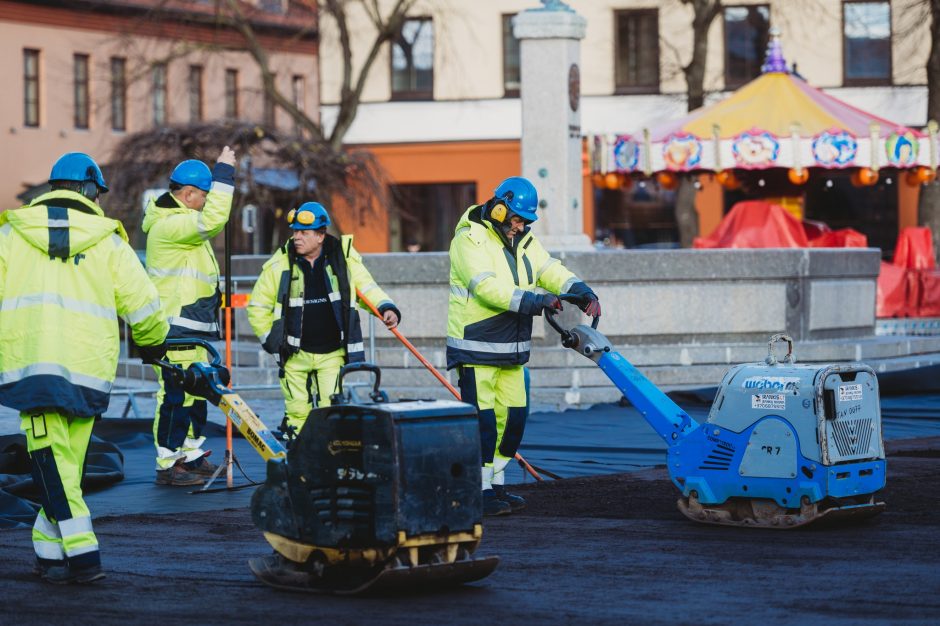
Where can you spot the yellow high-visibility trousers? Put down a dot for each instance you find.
(309, 381)
(57, 445)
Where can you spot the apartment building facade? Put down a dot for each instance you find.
(82, 75)
(441, 109)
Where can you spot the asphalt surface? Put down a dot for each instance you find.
(602, 549)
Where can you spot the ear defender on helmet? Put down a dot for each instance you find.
(308, 216)
(90, 189)
(519, 196)
(498, 212)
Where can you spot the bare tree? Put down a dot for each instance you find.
(704, 14)
(316, 154)
(387, 24)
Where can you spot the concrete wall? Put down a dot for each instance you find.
(670, 296)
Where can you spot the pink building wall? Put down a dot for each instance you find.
(27, 153)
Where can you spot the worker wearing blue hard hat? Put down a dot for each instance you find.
(500, 278)
(66, 274)
(303, 309)
(179, 225)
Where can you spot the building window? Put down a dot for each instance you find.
(30, 87)
(866, 30)
(422, 217)
(80, 85)
(746, 34)
(159, 95)
(195, 93)
(636, 65)
(298, 92)
(231, 94)
(511, 73)
(118, 93)
(271, 6)
(413, 60)
(269, 108)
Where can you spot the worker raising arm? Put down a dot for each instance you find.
(182, 264)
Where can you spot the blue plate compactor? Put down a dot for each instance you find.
(784, 445)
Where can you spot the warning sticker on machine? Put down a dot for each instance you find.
(775, 401)
(848, 393)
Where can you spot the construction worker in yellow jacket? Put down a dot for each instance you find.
(182, 264)
(303, 309)
(496, 264)
(66, 275)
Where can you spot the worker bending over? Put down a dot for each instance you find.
(496, 263)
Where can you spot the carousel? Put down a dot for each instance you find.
(767, 141)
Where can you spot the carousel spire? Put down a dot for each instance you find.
(774, 61)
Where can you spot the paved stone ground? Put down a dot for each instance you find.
(604, 550)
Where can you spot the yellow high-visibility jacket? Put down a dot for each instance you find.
(180, 259)
(66, 274)
(275, 310)
(492, 302)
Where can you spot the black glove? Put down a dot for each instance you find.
(151, 354)
(549, 302)
(590, 305)
(283, 354)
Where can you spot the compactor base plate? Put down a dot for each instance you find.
(276, 571)
(759, 513)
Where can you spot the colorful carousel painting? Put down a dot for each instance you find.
(776, 121)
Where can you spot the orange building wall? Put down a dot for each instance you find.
(908, 197)
(485, 163)
(709, 202)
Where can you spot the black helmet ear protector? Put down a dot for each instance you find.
(90, 189)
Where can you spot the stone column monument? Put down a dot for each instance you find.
(550, 43)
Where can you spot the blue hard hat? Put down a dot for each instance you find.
(77, 167)
(520, 197)
(194, 173)
(309, 216)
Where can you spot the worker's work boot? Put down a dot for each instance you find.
(201, 467)
(41, 566)
(516, 503)
(178, 476)
(493, 505)
(65, 575)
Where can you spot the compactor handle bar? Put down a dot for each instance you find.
(377, 394)
(550, 318)
(206, 380)
(214, 358)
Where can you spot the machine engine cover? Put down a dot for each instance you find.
(358, 474)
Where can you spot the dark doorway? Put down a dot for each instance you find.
(872, 211)
(642, 216)
(424, 216)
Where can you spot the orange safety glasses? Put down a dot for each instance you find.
(302, 217)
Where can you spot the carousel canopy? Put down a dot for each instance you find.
(776, 120)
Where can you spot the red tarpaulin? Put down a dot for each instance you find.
(842, 238)
(756, 224)
(915, 249)
(913, 275)
(892, 291)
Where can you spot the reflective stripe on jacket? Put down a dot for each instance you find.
(66, 274)
(180, 259)
(275, 310)
(489, 315)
